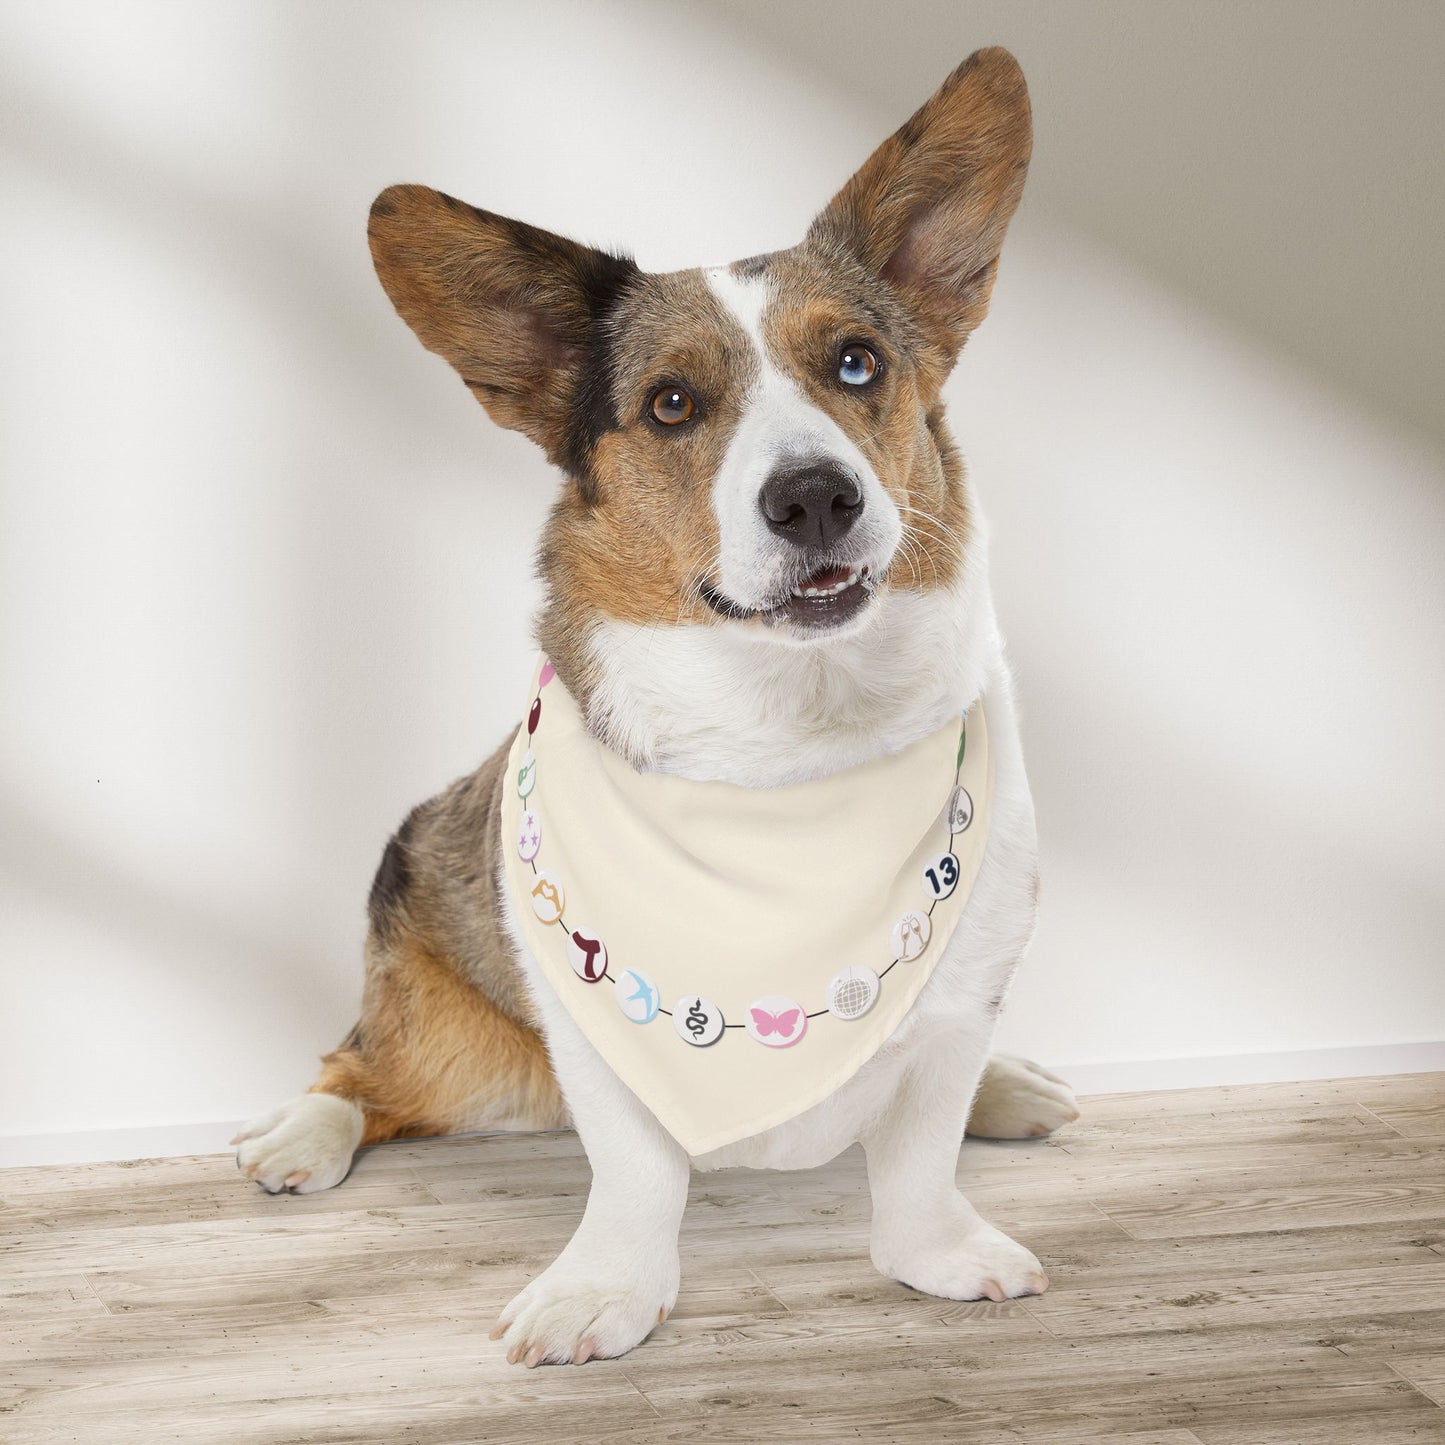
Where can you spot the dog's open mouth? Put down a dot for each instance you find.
(823, 599)
(827, 597)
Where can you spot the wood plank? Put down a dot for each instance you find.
(1425, 1372)
(212, 1248)
(47, 1297)
(1421, 1119)
(1099, 1127)
(1331, 1295)
(219, 1195)
(1311, 1093)
(1406, 1425)
(1178, 1213)
(1019, 1395)
(1082, 1257)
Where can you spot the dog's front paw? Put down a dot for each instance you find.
(580, 1310)
(1017, 1099)
(303, 1146)
(979, 1262)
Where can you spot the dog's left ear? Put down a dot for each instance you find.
(928, 211)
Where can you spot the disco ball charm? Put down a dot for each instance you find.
(852, 993)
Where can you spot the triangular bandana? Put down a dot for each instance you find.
(737, 954)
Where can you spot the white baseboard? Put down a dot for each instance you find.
(94, 1146)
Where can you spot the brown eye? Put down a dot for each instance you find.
(857, 365)
(671, 405)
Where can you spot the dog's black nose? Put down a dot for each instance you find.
(811, 503)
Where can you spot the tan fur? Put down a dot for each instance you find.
(637, 545)
(446, 1040)
(433, 1055)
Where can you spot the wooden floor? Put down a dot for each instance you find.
(1248, 1266)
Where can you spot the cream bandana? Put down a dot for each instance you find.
(737, 954)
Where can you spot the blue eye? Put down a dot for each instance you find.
(857, 366)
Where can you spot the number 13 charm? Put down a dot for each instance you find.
(940, 877)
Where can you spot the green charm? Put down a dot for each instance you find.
(527, 775)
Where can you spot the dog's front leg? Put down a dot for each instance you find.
(617, 1279)
(925, 1233)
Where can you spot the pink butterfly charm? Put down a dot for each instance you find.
(767, 1023)
(776, 1022)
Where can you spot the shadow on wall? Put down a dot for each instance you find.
(241, 541)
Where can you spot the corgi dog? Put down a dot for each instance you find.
(765, 565)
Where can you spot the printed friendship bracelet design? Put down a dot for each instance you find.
(773, 1020)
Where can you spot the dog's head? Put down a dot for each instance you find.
(758, 446)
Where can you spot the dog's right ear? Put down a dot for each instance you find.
(514, 309)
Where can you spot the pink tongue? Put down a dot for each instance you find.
(828, 577)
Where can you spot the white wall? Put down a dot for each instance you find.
(265, 565)
(1222, 588)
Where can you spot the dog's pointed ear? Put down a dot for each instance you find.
(928, 211)
(514, 308)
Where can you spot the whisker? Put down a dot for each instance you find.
(692, 586)
(943, 529)
(943, 534)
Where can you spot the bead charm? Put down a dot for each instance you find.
(698, 1021)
